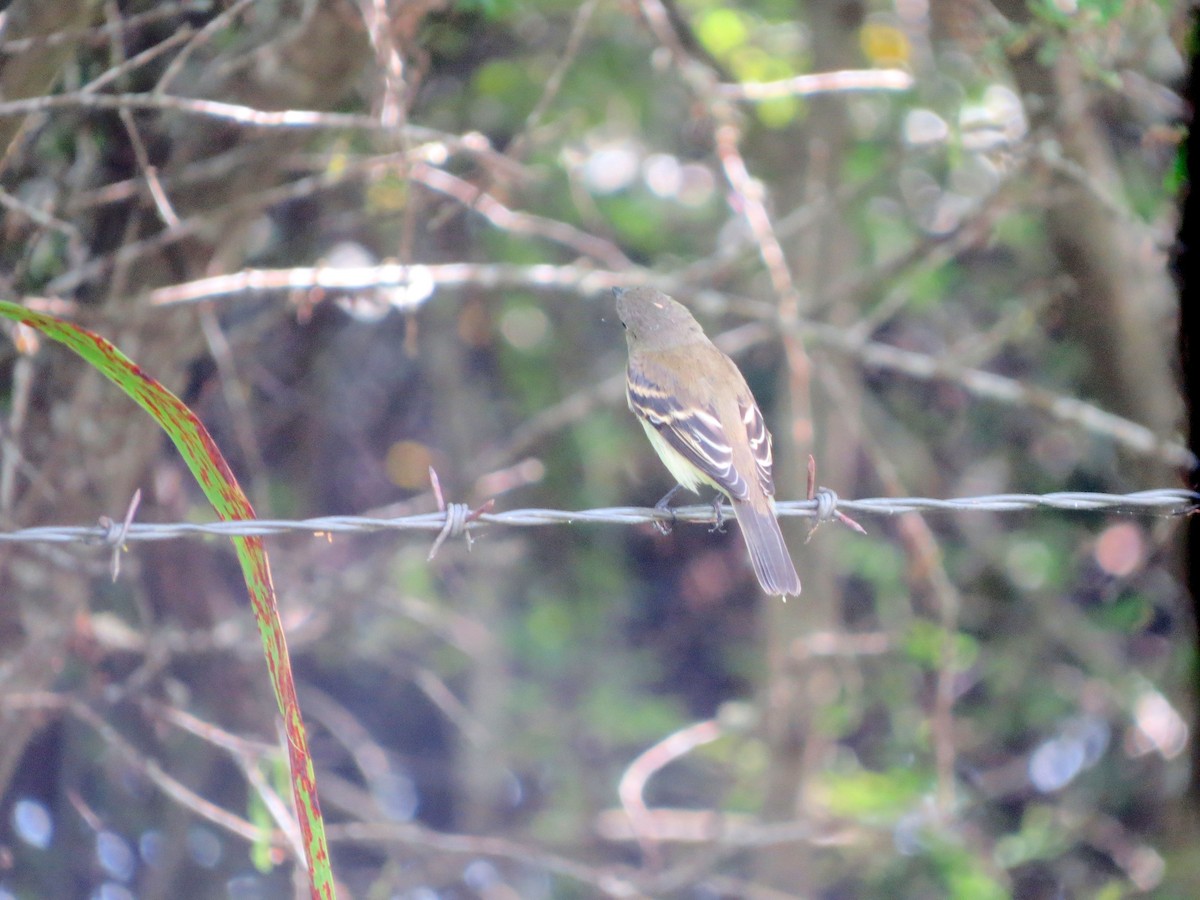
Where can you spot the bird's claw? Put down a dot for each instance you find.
(664, 505)
(718, 516)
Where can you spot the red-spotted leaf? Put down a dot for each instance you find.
(217, 481)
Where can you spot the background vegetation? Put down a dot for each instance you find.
(945, 277)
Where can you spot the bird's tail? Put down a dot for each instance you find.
(768, 552)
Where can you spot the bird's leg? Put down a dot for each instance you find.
(718, 515)
(665, 505)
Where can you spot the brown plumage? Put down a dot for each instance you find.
(699, 414)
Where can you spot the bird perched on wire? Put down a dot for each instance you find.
(702, 420)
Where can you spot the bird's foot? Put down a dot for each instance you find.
(718, 506)
(664, 505)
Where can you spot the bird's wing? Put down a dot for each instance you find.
(760, 443)
(692, 427)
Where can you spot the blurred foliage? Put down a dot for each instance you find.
(970, 705)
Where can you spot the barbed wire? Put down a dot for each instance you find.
(459, 518)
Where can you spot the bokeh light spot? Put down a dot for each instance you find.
(408, 465)
(1120, 549)
(32, 823)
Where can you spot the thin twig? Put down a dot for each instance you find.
(162, 10)
(198, 40)
(134, 62)
(611, 882)
(149, 768)
(632, 786)
(583, 17)
(603, 251)
(422, 280)
(39, 217)
(847, 80)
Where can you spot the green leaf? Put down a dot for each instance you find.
(216, 479)
(1128, 614)
(928, 644)
(1041, 837)
(874, 796)
(721, 31)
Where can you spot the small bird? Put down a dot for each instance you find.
(702, 420)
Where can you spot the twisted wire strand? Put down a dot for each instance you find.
(454, 520)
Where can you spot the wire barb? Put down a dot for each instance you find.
(116, 533)
(825, 504)
(457, 517)
(456, 526)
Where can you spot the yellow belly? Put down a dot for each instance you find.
(685, 473)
